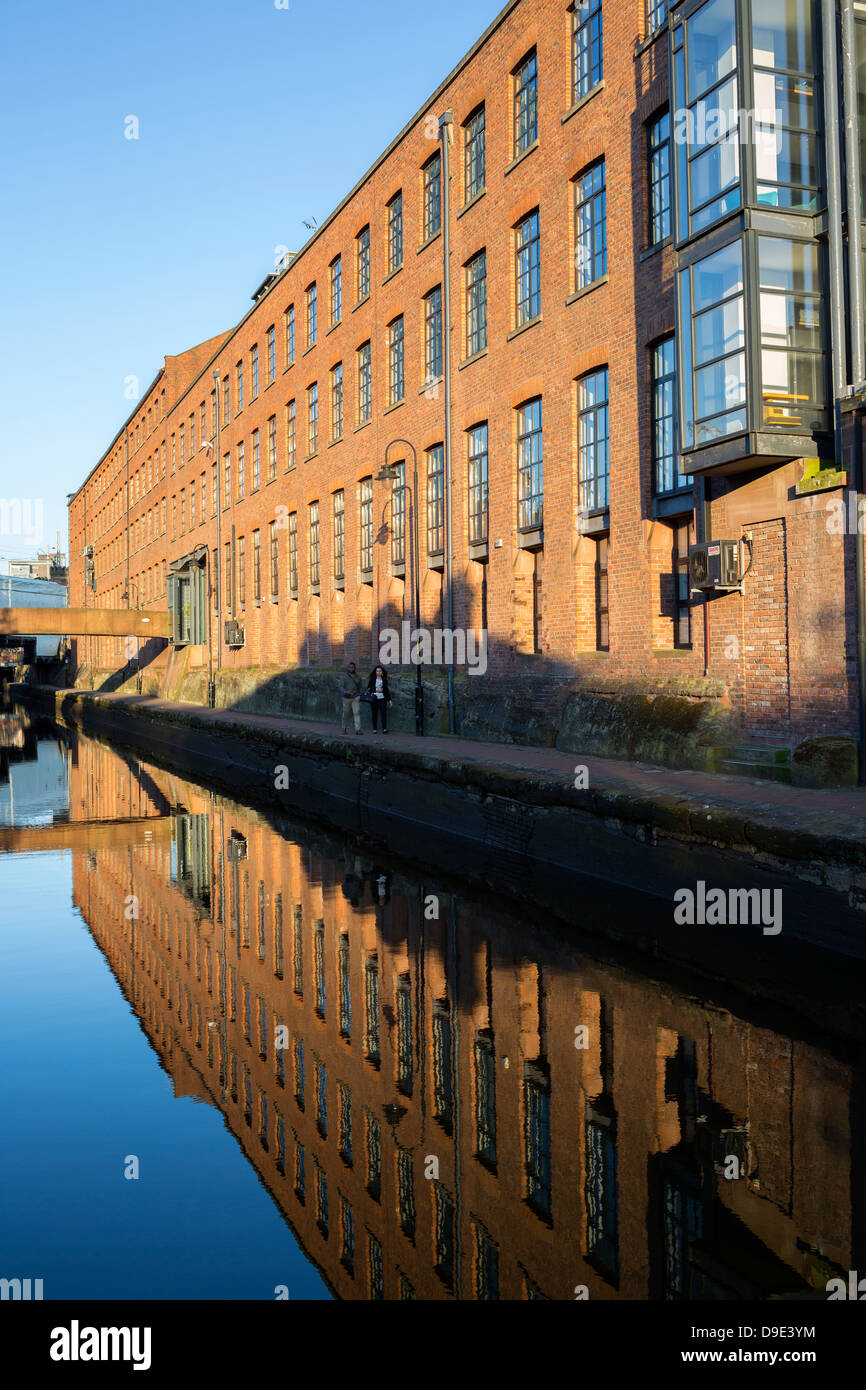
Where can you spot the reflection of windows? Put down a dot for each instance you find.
(443, 1234)
(344, 987)
(682, 593)
(657, 13)
(347, 1235)
(371, 1003)
(375, 1266)
(602, 600)
(601, 1196)
(485, 1099)
(536, 1138)
(786, 157)
(345, 1143)
(405, 1193)
(443, 1086)
(374, 1156)
(319, 966)
(321, 1099)
(404, 1036)
(586, 48)
(486, 1264)
(683, 1226)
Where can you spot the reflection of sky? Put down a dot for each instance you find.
(36, 790)
(80, 1089)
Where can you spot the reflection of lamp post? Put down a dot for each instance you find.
(388, 473)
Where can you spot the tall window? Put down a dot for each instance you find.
(593, 435)
(291, 436)
(530, 466)
(436, 500)
(365, 383)
(433, 334)
(713, 346)
(665, 475)
(254, 371)
(314, 545)
(337, 401)
(362, 247)
(227, 480)
(242, 571)
(274, 541)
(182, 457)
(312, 315)
(396, 385)
(659, 154)
(474, 155)
(214, 490)
(485, 1099)
(365, 505)
(433, 196)
(272, 352)
(602, 612)
(476, 304)
(526, 104)
(336, 290)
(590, 227)
(257, 566)
(293, 593)
(527, 253)
(226, 400)
(657, 13)
(290, 335)
(241, 471)
(586, 46)
(395, 232)
(398, 516)
(683, 535)
(312, 418)
(339, 535)
(537, 1139)
(272, 451)
(239, 385)
(476, 440)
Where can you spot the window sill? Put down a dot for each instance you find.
(365, 576)
(392, 273)
(524, 327)
(395, 406)
(239, 411)
(293, 595)
(269, 384)
(518, 159)
(398, 571)
(680, 503)
(582, 101)
(313, 455)
(364, 425)
(429, 242)
(275, 598)
(288, 367)
(308, 350)
(365, 300)
(272, 480)
(338, 439)
(587, 289)
(476, 357)
(431, 382)
(315, 590)
(650, 251)
(594, 523)
(532, 538)
(479, 550)
(436, 561)
(334, 327)
(472, 201)
(340, 585)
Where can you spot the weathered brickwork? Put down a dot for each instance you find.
(789, 673)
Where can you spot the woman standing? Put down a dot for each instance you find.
(377, 687)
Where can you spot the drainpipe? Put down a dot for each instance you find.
(446, 130)
(833, 161)
(852, 171)
(219, 558)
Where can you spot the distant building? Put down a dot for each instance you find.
(49, 565)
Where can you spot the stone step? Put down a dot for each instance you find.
(746, 767)
(757, 753)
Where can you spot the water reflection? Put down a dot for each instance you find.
(444, 1099)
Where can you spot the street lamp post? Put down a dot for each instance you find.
(388, 473)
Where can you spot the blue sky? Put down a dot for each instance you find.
(116, 251)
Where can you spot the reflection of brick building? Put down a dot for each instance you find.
(410, 1038)
(569, 229)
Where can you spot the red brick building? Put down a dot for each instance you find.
(497, 297)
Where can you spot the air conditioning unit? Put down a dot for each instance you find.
(715, 565)
(234, 633)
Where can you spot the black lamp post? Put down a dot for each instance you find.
(388, 473)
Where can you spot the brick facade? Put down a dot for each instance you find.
(789, 673)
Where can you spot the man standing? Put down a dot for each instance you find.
(351, 697)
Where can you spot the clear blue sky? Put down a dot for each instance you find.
(115, 252)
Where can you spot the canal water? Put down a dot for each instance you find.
(248, 1058)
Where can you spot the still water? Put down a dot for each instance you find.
(243, 1055)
